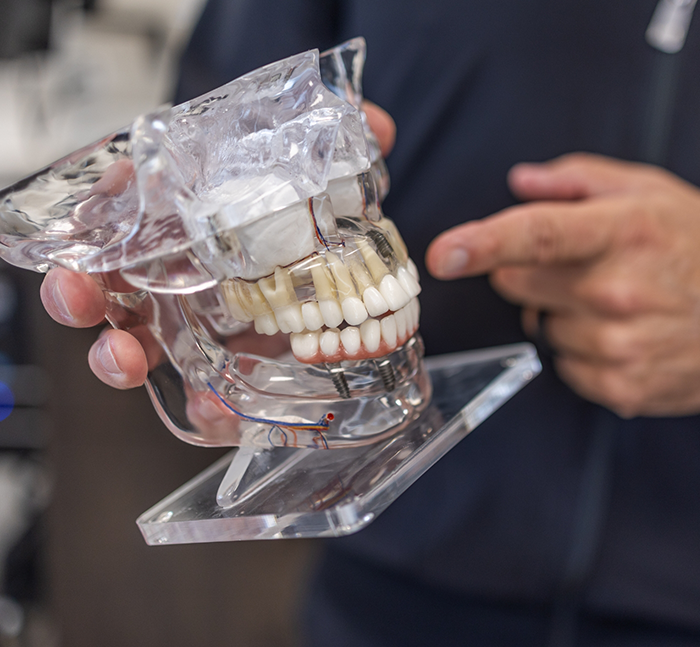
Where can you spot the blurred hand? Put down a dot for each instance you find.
(610, 251)
(118, 358)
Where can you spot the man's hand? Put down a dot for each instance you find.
(118, 358)
(610, 251)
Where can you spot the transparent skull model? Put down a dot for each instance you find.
(220, 225)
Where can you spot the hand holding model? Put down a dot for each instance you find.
(610, 252)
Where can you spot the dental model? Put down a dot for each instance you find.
(255, 207)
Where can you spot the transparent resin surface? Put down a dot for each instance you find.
(284, 492)
(240, 237)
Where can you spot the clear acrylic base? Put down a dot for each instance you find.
(284, 492)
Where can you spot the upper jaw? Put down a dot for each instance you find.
(354, 299)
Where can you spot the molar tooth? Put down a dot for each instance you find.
(401, 324)
(330, 342)
(265, 324)
(304, 345)
(407, 282)
(289, 318)
(278, 290)
(393, 293)
(331, 312)
(411, 266)
(254, 301)
(313, 319)
(374, 302)
(354, 311)
(233, 302)
(351, 340)
(375, 264)
(370, 331)
(388, 325)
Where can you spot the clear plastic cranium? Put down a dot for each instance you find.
(218, 224)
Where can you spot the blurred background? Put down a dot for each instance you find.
(79, 461)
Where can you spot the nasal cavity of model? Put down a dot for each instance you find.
(356, 301)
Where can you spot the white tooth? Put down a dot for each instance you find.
(253, 300)
(323, 283)
(411, 266)
(395, 239)
(351, 340)
(370, 331)
(374, 302)
(359, 271)
(233, 302)
(393, 293)
(278, 290)
(331, 312)
(313, 319)
(407, 282)
(304, 345)
(410, 316)
(416, 313)
(408, 313)
(329, 342)
(375, 264)
(401, 324)
(343, 280)
(389, 330)
(265, 324)
(289, 318)
(354, 311)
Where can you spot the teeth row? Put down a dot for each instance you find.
(393, 330)
(352, 292)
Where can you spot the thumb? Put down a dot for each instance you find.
(580, 175)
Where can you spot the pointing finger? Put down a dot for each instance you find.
(581, 175)
(538, 233)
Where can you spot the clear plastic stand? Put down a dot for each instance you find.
(283, 492)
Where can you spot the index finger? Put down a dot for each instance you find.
(537, 233)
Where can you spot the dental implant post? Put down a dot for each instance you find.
(386, 372)
(382, 244)
(339, 380)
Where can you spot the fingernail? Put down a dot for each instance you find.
(454, 263)
(60, 302)
(105, 356)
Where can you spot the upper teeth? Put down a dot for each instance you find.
(353, 341)
(311, 299)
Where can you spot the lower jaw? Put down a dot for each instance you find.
(383, 350)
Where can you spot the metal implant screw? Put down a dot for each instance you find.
(339, 380)
(386, 371)
(382, 244)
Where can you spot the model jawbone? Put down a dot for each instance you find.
(256, 206)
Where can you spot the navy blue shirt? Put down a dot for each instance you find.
(475, 87)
